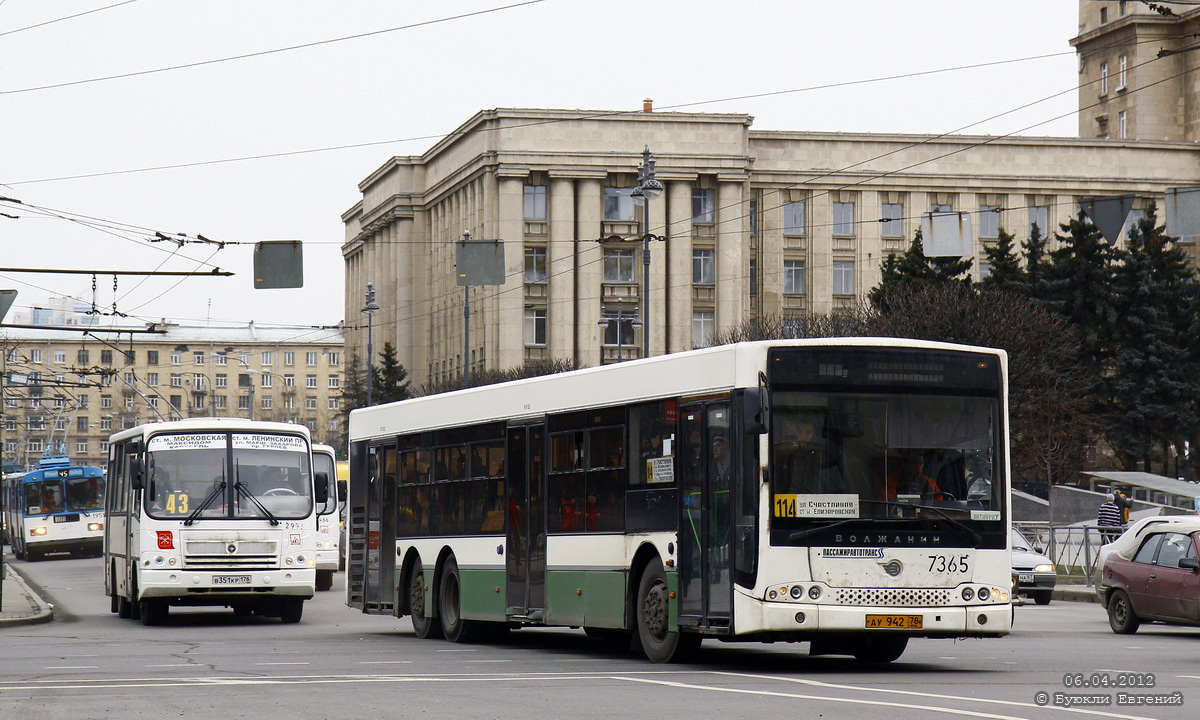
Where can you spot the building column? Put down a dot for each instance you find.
(819, 264)
(589, 271)
(560, 270)
(510, 310)
(679, 266)
(733, 239)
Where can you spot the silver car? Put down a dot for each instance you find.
(1033, 573)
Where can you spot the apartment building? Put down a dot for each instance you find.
(66, 391)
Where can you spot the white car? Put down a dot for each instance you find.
(1128, 543)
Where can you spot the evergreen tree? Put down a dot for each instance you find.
(1006, 270)
(1034, 249)
(389, 377)
(914, 268)
(1078, 284)
(1155, 369)
(354, 388)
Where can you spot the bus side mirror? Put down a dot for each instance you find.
(754, 411)
(137, 473)
(321, 488)
(341, 491)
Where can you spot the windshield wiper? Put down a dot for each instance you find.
(799, 534)
(976, 538)
(242, 490)
(212, 495)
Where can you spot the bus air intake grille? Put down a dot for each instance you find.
(895, 597)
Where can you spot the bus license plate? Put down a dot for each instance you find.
(907, 622)
(231, 579)
(1025, 577)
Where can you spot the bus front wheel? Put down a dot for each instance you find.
(423, 625)
(324, 579)
(454, 627)
(291, 610)
(154, 612)
(881, 648)
(653, 616)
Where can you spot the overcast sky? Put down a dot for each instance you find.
(413, 85)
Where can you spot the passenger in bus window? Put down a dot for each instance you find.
(910, 478)
(800, 459)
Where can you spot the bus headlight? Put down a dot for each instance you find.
(94, 526)
(984, 594)
(797, 591)
(968, 593)
(814, 592)
(39, 530)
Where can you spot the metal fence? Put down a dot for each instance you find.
(1073, 548)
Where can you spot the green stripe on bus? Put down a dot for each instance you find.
(482, 594)
(590, 598)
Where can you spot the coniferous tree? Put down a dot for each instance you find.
(1006, 271)
(354, 388)
(390, 384)
(1078, 284)
(914, 268)
(1155, 369)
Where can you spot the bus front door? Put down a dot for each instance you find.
(525, 546)
(705, 470)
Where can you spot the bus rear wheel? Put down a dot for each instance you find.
(154, 612)
(423, 625)
(653, 616)
(454, 627)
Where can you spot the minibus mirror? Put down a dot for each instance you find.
(754, 411)
(321, 488)
(137, 475)
(341, 491)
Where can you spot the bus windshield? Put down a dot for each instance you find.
(219, 475)
(85, 493)
(44, 497)
(846, 450)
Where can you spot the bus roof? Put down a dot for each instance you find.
(695, 372)
(215, 424)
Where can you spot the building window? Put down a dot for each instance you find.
(289, 381)
(81, 446)
(104, 446)
(151, 357)
(618, 265)
(1103, 78)
(310, 359)
(535, 326)
(535, 265)
(128, 401)
(130, 378)
(14, 355)
(703, 267)
(843, 219)
(60, 403)
(152, 401)
(176, 358)
(1039, 216)
(60, 424)
(335, 359)
(10, 447)
(60, 357)
(106, 423)
(310, 381)
(289, 358)
(753, 276)
(244, 359)
(106, 401)
(222, 359)
(197, 381)
(310, 403)
(1121, 8)
(793, 277)
(35, 445)
(198, 357)
(893, 220)
(703, 324)
(152, 379)
(268, 358)
(989, 221)
(1123, 124)
(753, 208)
(1103, 15)
(334, 424)
(985, 269)
(535, 202)
(35, 356)
(793, 218)
(1124, 72)
(289, 402)
(703, 201)
(333, 403)
(219, 402)
(266, 402)
(83, 402)
(268, 380)
(335, 381)
(618, 205)
(221, 380)
(176, 379)
(243, 402)
(843, 277)
(82, 357)
(81, 424)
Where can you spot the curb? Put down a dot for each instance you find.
(42, 611)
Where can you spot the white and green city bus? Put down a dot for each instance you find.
(211, 511)
(674, 498)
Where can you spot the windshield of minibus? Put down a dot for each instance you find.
(228, 475)
(44, 497)
(892, 436)
(85, 493)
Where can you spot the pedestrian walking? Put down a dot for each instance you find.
(1108, 518)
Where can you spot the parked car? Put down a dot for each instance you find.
(1033, 573)
(1156, 580)
(1128, 541)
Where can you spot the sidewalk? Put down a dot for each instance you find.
(20, 604)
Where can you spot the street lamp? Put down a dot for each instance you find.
(369, 309)
(648, 189)
(620, 316)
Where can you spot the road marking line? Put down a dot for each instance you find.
(385, 662)
(177, 665)
(469, 662)
(284, 663)
(72, 667)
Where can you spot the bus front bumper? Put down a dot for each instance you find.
(220, 587)
(991, 620)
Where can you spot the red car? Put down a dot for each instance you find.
(1156, 580)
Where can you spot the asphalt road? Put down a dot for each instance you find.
(338, 663)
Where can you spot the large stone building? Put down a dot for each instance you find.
(1138, 70)
(756, 223)
(67, 391)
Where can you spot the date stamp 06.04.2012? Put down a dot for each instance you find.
(1103, 689)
